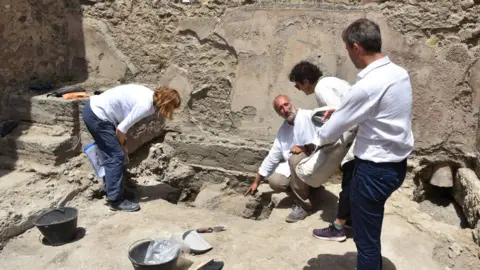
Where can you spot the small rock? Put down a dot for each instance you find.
(432, 42)
(449, 238)
(101, 6)
(454, 251)
(442, 177)
(465, 34)
(91, 177)
(466, 191)
(453, 39)
(278, 197)
(476, 234)
(7, 6)
(65, 172)
(71, 179)
(468, 4)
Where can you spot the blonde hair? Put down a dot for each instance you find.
(166, 100)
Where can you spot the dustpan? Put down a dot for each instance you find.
(196, 242)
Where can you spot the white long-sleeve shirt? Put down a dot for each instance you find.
(380, 103)
(330, 91)
(123, 105)
(301, 133)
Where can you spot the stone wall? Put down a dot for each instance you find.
(42, 42)
(230, 58)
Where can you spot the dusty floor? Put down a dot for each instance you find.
(411, 239)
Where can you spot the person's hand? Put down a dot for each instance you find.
(297, 149)
(122, 140)
(252, 189)
(125, 149)
(328, 114)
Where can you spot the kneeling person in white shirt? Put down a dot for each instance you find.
(329, 91)
(287, 151)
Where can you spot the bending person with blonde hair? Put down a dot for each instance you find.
(110, 115)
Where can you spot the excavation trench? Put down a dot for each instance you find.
(438, 193)
(215, 173)
(197, 175)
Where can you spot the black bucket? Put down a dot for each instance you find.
(58, 226)
(137, 253)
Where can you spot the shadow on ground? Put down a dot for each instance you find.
(347, 261)
(80, 234)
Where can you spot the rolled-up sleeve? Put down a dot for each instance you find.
(355, 108)
(272, 160)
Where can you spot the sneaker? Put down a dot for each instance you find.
(297, 214)
(124, 205)
(330, 233)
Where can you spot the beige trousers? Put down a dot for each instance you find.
(280, 183)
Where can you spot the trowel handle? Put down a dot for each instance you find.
(205, 230)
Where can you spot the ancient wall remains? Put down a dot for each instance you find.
(230, 58)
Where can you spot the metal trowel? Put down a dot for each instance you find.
(211, 229)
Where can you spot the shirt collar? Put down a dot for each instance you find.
(375, 64)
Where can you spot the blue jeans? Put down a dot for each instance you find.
(372, 185)
(104, 134)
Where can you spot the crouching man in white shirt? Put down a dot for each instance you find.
(287, 151)
(329, 91)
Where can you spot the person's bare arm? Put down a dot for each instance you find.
(121, 137)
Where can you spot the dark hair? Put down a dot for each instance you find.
(305, 71)
(364, 32)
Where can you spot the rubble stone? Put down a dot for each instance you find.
(442, 177)
(466, 192)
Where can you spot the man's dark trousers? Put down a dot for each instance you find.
(344, 196)
(372, 185)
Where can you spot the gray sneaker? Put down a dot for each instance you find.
(297, 214)
(124, 205)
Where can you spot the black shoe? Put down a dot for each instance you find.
(124, 205)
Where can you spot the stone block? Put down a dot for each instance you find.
(442, 177)
(143, 132)
(230, 154)
(42, 109)
(466, 191)
(49, 145)
(476, 234)
(177, 78)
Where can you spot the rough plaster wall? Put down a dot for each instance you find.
(37, 38)
(229, 61)
(235, 59)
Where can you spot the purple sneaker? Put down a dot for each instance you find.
(330, 233)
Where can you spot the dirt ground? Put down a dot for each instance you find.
(410, 239)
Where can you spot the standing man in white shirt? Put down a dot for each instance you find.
(329, 91)
(380, 103)
(287, 151)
